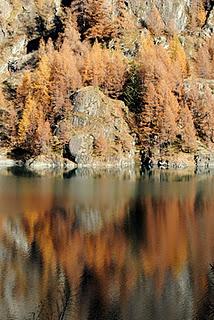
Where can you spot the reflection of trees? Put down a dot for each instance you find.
(70, 247)
(106, 253)
(94, 264)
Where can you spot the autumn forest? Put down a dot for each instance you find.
(106, 159)
(162, 75)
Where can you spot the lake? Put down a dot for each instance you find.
(109, 246)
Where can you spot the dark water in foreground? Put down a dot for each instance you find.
(107, 247)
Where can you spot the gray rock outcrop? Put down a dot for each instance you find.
(101, 135)
(170, 11)
(21, 22)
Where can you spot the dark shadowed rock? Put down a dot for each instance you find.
(101, 135)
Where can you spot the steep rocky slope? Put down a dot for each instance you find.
(22, 25)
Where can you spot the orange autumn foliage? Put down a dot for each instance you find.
(205, 60)
(201, 103)
(8, 119)
(104, 44)
(99, 70)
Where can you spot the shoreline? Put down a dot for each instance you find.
(53, 162)
(69, 165)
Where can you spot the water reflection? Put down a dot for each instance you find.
(107, 247)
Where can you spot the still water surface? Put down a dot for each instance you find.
(109, 247)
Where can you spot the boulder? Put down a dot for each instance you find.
(5, 161)
(42, 162)
(204, 160)
(101, 135)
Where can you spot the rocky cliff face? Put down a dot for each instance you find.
(22, 24)
(176, 12)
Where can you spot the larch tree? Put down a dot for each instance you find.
(34, 132)
(115, 77)
(99, 70)
(187, 132)
(122, 19)
(201, 103)
(8, 119)
(178, 54)
(159, 101)
(72, 36)
(197, 14)
(205, 59)
(159, 96)
(24, 88)
(43, 135)
(93, 71)
(102, 21)
(44, 96)
(147, 121)
(41, 82)
(34, 102)
(65, 79)
(93, 19)
(28, 122)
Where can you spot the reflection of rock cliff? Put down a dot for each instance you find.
(109, 246)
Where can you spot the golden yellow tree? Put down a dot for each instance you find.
(41, 82)
(34, 102)
(205, 59)
(99, 69)
(197, 14)
(178, 54)
(200, 101)
(93, 72)
(27, 124)
(160, 96)
(116, 67)
(8, 118)
(187, 132)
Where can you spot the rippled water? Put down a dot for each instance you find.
(107, 246)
